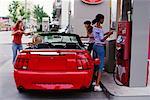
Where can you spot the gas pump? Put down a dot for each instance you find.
(148, 63)
(123, 45)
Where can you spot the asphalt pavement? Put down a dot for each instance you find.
(8, 89)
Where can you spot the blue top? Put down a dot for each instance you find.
(98, 34)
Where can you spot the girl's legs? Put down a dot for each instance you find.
(96, 67)
(90, 47)
(14, 49)
(20, 47)
(101, 55)
(100, 52)
(98, 78)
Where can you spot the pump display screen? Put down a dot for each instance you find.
(119, 39)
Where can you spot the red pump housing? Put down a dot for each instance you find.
(123, 52)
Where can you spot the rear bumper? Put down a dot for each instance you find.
(53, 80)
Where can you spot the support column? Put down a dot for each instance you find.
(125, 8)
(140, 43)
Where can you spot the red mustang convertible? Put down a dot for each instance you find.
(60, 62)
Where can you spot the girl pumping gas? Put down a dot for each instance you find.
(98, 47)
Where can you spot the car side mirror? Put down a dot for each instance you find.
(96, 61)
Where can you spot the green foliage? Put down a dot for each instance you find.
(27, 15)
(39, 13)
(16, 9)
(13, 10)
(54, 14)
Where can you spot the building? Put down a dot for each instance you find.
(72, 14)
(57, 15)
(5, 24)
(83, 11)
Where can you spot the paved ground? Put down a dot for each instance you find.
(7, 85)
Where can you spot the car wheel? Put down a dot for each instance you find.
(21, 89)
(89, 89)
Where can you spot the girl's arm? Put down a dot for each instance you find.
(88, 34)
(108, 34)
(16, 32)
(26, 34)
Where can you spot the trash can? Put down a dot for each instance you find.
(110, 61)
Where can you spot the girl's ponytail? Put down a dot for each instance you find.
(94, 21)
(97, 18)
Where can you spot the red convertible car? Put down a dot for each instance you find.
(60, 62)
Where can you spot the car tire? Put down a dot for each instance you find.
(21, 89)
(89, 89)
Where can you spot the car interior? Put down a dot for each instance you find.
(58, 41)
(58, 46)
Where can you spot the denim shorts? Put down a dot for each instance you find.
(101, 54)
(15, 48)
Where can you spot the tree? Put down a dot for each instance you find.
(27, 15)
(16, 10)
(23, 13)
(13, 10)
(39, 13)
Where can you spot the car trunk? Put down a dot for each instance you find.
(55, 60)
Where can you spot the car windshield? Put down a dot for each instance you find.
(59, 41)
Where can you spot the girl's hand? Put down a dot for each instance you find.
(26, 34)
(110, 33)
(19, 31)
